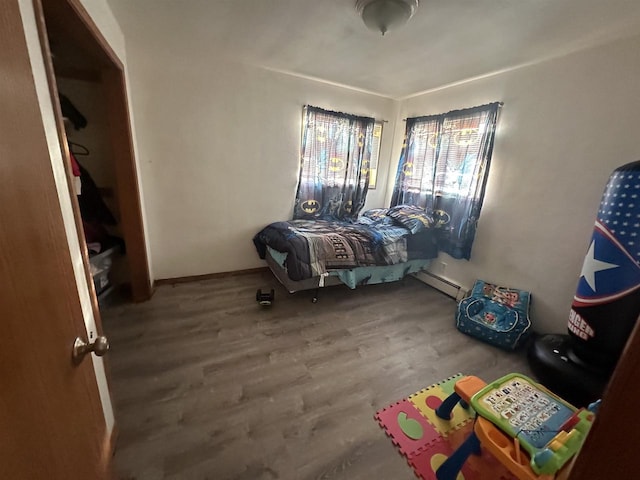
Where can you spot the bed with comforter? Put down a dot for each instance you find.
(381, 246)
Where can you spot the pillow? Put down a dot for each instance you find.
(375, 213)
(411, 217)
(366, 221)
(375, 217)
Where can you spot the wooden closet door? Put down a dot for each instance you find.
(51, 416)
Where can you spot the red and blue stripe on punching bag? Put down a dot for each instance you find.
(607, 300)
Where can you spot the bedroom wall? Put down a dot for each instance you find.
(565, 125)
(219, 145)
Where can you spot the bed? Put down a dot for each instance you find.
(382, 246)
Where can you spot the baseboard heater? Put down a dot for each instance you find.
(443, 285)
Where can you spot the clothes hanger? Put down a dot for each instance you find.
(84, 151)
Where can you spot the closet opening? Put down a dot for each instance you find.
(88, 90)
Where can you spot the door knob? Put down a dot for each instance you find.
(100, 346)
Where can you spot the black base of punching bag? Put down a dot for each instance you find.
(557, 368)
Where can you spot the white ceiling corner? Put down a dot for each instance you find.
(446, 42)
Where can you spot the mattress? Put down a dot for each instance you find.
(350, 277)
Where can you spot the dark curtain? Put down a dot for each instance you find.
(334, 165)
(443, 168)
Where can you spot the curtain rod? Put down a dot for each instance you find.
(500, 104)
(344, 113)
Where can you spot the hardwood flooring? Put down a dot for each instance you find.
(208, 385)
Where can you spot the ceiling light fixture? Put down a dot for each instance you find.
(383, 15)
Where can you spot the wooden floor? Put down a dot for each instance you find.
(208, 385)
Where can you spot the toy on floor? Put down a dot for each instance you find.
(530, 430)
(265, 299)
(496, 315)
(427, 440)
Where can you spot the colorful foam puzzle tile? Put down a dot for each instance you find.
(433, 447)
(429, 399)
(448, 384)
(427, 462)
(477, 467)
(406, 427)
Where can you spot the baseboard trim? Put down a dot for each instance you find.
(208, 276)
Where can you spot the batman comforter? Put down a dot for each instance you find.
(314, 247)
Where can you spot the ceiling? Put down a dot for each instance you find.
(447, 41)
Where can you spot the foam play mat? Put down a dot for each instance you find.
(427, 441)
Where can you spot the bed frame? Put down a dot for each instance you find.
(293, 286)
(314, 283)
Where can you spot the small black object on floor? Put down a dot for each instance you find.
(265, 299)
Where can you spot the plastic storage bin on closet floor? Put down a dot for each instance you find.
(100, 265)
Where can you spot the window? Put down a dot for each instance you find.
(443, 168)
(375, 155)
(335, 164)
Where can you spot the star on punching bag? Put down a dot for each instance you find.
(606, 305)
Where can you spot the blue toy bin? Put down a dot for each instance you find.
(495, 315)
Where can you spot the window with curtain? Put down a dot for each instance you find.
(334, 165)
(444, 167)
(375, 155)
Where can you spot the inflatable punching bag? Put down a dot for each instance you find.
(607, 300)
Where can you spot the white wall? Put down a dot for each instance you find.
(566, 124)
(102, 16)
(219, 144)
